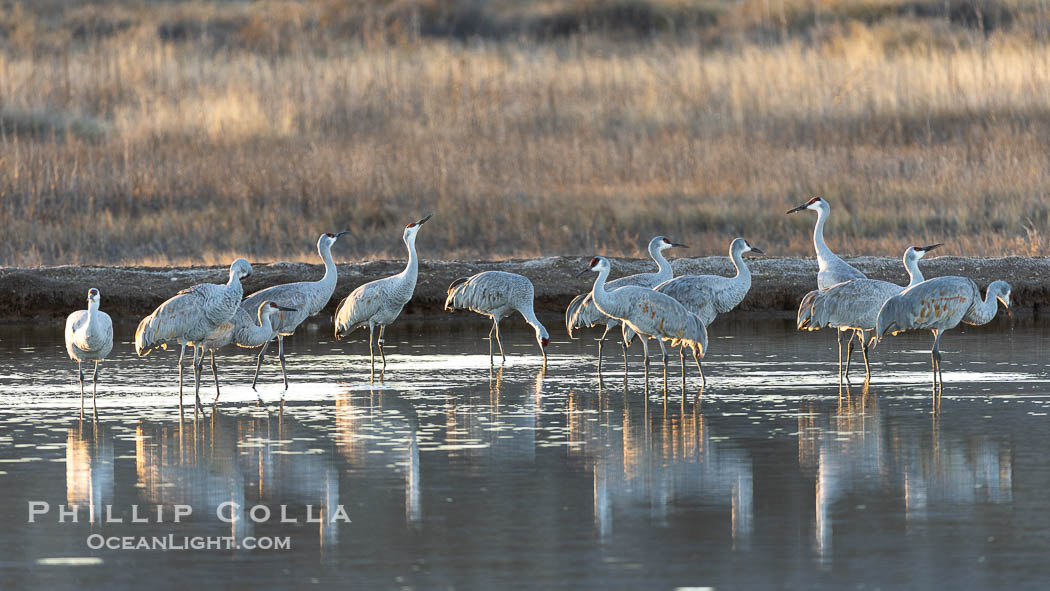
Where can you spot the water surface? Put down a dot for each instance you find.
(453, 475)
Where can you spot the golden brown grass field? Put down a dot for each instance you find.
(190, 132)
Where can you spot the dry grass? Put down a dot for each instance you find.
(173, 132)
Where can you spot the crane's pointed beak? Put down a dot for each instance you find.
(757, 250)
(424, 220)
(930, 247)
(799, 208)
(287, 309)
(679, 245)
(582, 272)
(340, 234)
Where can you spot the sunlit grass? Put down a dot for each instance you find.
(130, 147)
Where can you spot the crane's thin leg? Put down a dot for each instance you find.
(499, 342)
(258, 363)
(371, 352)
(935, 354)
(280, 355)
(838, 338)
(94, 389)
(864, 350)
(703, 383)
(182, 356)
(215, 376)
(491, 332)
(382, 328)
(80, 372)
(601, 341)
(198, 365)
(663, 353)
(849, 353)
(623, 345)
(681, 358)
(645, 354)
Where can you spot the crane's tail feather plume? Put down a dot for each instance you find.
(804, 320)
(572, 320)
(453, 292)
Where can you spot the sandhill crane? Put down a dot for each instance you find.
(89, 337)
(583, 313)
(707, 296)
(243, 331)
(190, 316)
(855, 305)
(378, 303)
(648, 313)
(306, 298)
(832, 269)
(939, 305)
(496, 294)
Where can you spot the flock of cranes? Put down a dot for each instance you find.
(671, 310)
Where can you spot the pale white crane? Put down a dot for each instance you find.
(855, 305)
(497, 294)
(707, 296)
(938, 305)
(648, 313)
(583, 313)
(832, 269)
(243, 331)
(379, 302)
(89, 337)
(303, 298)
(190, 316)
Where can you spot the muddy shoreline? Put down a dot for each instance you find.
(50, 293)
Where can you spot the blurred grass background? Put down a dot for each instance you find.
(191, 132)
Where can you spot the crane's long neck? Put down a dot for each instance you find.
(911, 263)
(92, 310)
(743, 273)
(412, 268)
(984, 309)
(331, 273)
(664, 271)
(602, 298)
(530, 317)
(233, 286)
(824, 253)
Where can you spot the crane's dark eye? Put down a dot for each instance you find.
(329, 234)
(594, 261)
(412, 225)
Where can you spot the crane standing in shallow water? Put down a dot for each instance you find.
(832, 269)
(302, 298)
(583, 313)
(243, 331)
(855, 305)
(707, 296)
(496, 294)
(378, 303)
(190, 316)
(89, 337)
(938, 305)
(648, 313)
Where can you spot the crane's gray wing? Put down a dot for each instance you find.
(585, 314)
(837, 271)
(357, 308)
(73, 322)
(170, 319)
(936, 303)
(487, 292)
(704, 295)
(289, 295)
(805, 311)
(853, 304)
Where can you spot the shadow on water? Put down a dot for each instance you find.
(451, 473)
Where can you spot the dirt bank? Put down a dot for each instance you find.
(778, 283)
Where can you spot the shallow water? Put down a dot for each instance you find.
(454, 476)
